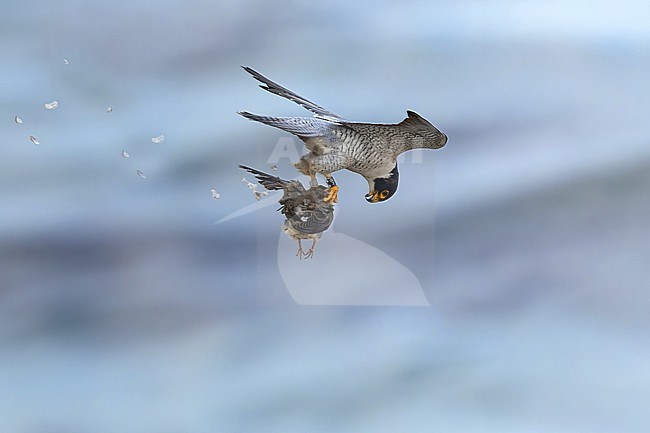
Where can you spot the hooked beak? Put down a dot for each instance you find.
(372, 197)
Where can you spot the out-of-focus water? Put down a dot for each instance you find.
(124, 307)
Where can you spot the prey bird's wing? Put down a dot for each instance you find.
(291, 188)
(271, 182)
(277, 89)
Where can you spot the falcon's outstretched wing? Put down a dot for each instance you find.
(303, 127)
(274, 87)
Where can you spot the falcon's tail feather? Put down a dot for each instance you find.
(268, 181)
(277, 89)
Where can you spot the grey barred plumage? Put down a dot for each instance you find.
(307, 214)
(334, 143)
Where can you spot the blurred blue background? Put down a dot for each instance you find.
(123, 307)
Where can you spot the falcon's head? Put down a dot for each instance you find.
(383, 188)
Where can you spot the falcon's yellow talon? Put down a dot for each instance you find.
(333, 196)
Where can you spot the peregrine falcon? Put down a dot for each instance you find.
(307, 213)
(334, 143)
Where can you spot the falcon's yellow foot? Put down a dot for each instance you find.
(333, 196)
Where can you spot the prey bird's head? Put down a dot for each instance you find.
(383, 188)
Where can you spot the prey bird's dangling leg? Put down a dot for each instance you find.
(300, 251)
(333, 196)
(310, 251)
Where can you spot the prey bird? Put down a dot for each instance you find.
(334, 143)
(307, 213)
